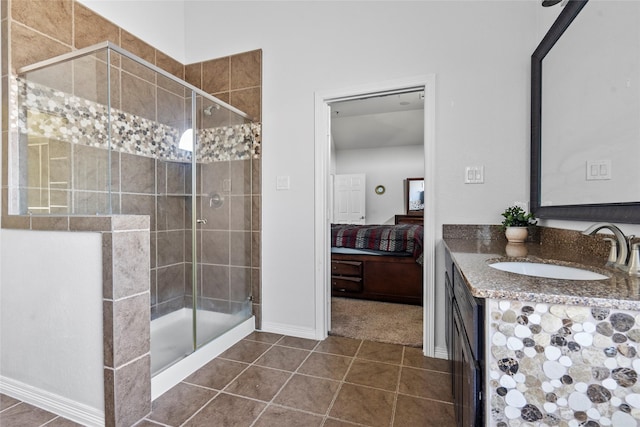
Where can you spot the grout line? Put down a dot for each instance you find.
(297, 372)
(394, 405)
(219, 392)
(158, 423)
(342, 382)
(204, 387)
(428, 370)
(129, 362)
(21, 24)
(426, 398)
(281, 387)
(252, 364)
(378, 389)
(347, 422)
(200, 410)
(291, 408)
(50, 421)
(326, 417)
(12, 406)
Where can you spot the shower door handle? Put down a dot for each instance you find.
(201, 221)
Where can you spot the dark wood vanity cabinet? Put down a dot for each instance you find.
(465, 344)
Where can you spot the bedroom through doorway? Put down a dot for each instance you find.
(379, 134)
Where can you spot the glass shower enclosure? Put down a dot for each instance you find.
(103, 132)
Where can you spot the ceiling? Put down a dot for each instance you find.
(386, 120)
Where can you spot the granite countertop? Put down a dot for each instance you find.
(474, 256)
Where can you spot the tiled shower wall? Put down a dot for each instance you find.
(36, 30)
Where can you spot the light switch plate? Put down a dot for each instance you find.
(283, 183)
(474, 175)
(598, 170)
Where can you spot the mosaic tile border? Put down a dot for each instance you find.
(48, 113)
(562, 365)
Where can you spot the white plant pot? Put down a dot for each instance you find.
(516, 250)
(516, 234)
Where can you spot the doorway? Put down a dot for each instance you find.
(424, 84)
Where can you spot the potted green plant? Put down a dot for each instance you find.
(516, 223)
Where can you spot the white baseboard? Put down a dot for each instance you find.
(441, 353)
(280, 328)
(59, 405)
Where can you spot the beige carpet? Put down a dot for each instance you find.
(377, 321)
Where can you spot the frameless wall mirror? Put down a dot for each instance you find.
(415, 196)
(585, 114)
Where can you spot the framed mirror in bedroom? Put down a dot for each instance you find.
(414, 196)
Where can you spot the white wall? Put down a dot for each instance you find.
(51, 314)
(383, 166)
(480, 52)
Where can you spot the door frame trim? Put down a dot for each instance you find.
(322, 204)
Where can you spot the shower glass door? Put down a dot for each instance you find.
(171, 228)
(223, 221)
(203, 226)
(102, 131)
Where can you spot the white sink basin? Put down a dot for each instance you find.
(550, 271)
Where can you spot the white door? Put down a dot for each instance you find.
(349, 199)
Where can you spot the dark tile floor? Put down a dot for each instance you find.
(275, 380)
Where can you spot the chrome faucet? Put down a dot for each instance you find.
(634, 260)
(613, 252)
(623, 244)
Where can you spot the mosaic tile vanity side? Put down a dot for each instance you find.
(562, 365)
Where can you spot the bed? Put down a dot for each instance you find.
(377, 262)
